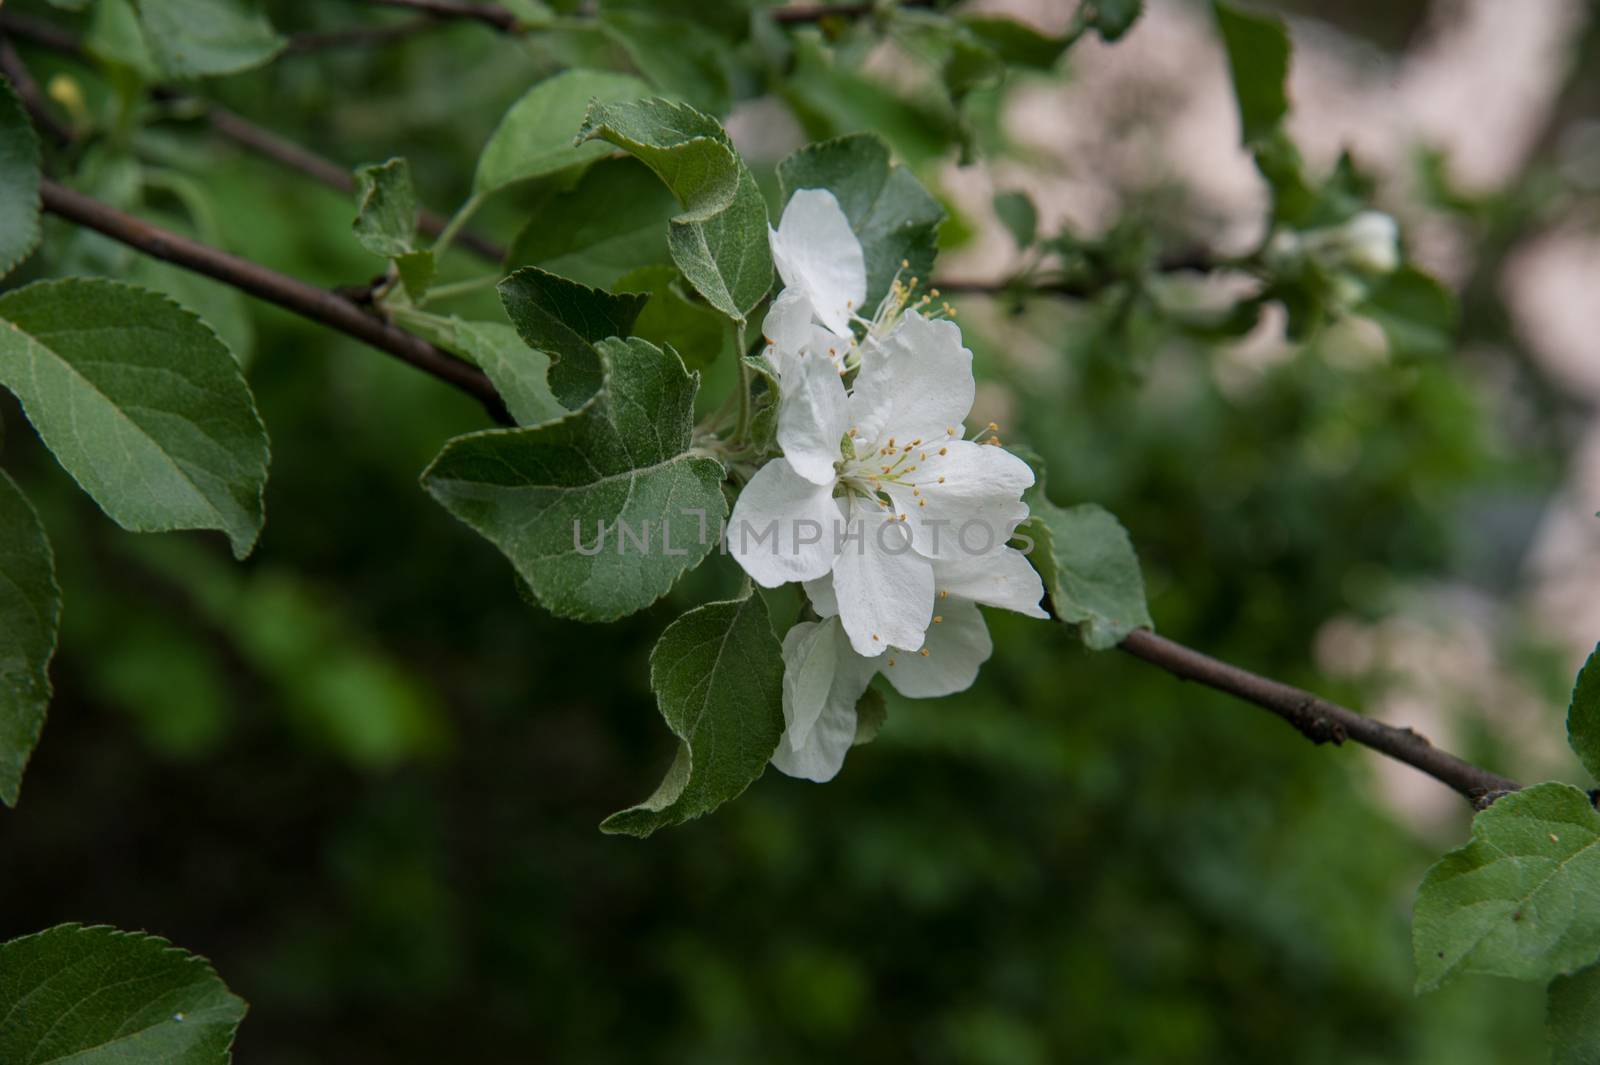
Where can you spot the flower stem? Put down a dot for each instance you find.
(742, 433)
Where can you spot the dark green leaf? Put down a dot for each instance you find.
(671, 319)
(720, 239)
(718, 677)
(30, 611)
(1521, 900)
(612, 222)
(386, 208)
(1583, 715)
(199, 38)
(97, 996)
(1089, 569)
(602, 511)
(19, 181)
(535, 136)
(1572, 1022)
(1416, 313)
(565, 320)
(1018, 215)
(872, 713)
(676, 54)
(890, 212)
(1016, 43)
(1258, 56)
(1112, 18)
(141, 403)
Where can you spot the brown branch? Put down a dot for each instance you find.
(28, 92)
(1197, 259)
(1317, 719)
(40, 32)
(490, 14)
(308, 301)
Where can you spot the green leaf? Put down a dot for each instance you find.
(720, 239)
(1016, 43)
(676, 54)
(1521, 900)
(623, 460)
(30, 614)
(141, 403)
(890, 212)
(718, 677)
(19, 181)
(199, 38)
(1112, 18)
(1415, 312)
(535, 136)
(386, 208)
(1583, 715)
(565, 320)
(612, 222)
(220, 306)
(1089, 569)
(671, 319)
(519, 373)
(116, 39)
(1258, 56)
(1018, 215)
(416, 270)
(1572, 1022)
(872, 713)
(97, 996)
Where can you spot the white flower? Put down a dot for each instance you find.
(876, 484)
(1371, 242)
(824, 678)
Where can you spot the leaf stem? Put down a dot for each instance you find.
(461, 288)
(742, 433)
(463, 214)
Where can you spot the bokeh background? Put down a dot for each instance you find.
(364, 778)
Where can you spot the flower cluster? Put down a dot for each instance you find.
(897, 524)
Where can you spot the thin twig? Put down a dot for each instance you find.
(28, 91)
(308, 301)
(1319, 720)
(361, 36)
(491, 14)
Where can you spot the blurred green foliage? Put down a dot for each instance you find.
(364, 778)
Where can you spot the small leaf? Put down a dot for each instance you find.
(1583, 715)
(1112, 18)
(670, 319)
(1521, 900)
(416, 270)
(1258, 56)
(1089, 569)
(19, 181)
(141, 403)
(890, 212)
(602, 511)
(564, 320)
(97, 996)
(386, 208)
(30, 614)
(1016, 43)
(612, 222)
(1018, 215)
(718, 677)
(676, 54)
(519, 373)
(872, 713)
(199, 38)
(720, 239)
(535, 136)
(1572, 1021)
(1415, 312)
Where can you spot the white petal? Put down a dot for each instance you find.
(822, 751)
(957, 644)
(812, 414)
(784, 527)
(787, 326)
(823, 601)
(918, 385)
(1005, 579)
(973, 509)
(884, 588)
(816, 252)
(810, 654)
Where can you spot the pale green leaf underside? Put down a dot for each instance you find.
(719, 242)
(386, 208)
(1522, 899)
(539, 493)
(141, 403)
(535, 136)
(198, 38)
(96, 996)
(519, 373)
(1089, 569)
(718, 677)
(30, 610)
(19, 181)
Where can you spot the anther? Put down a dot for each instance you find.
(944, 594)
(923, 652)
(944, 451)
(891, 661)
(874, 636)
(938, 618)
